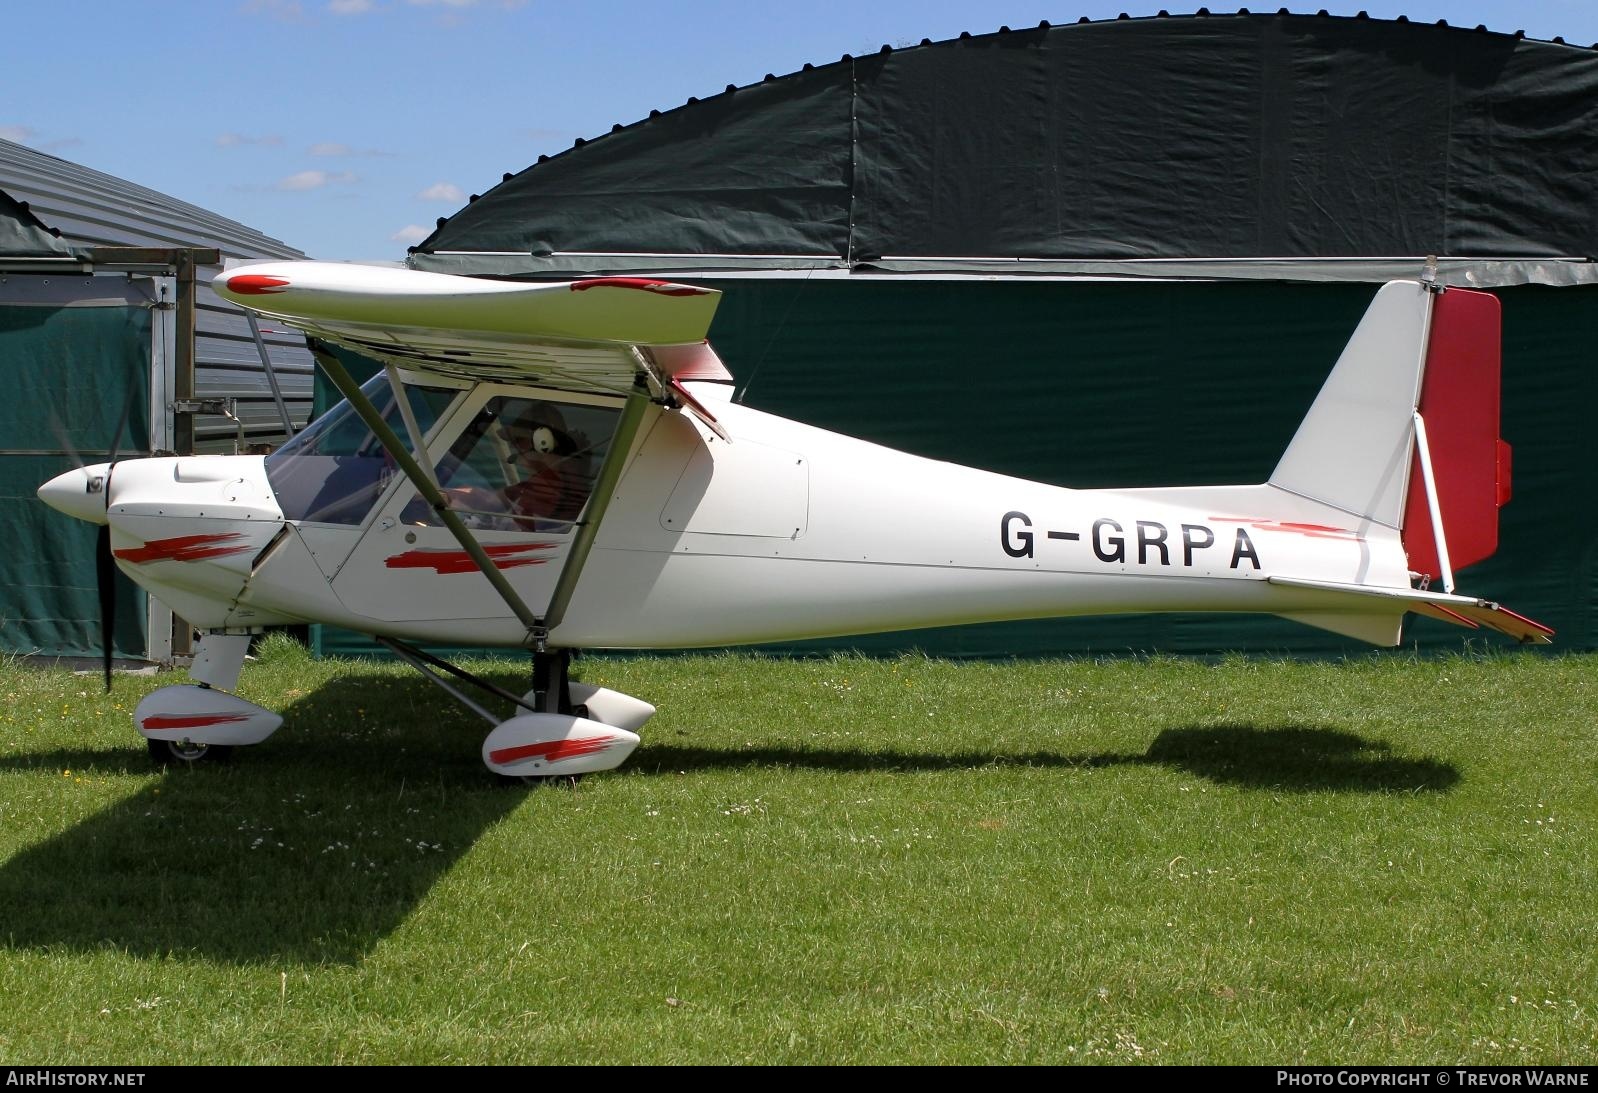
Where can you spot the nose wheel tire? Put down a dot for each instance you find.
(186, 753)
(538, 781)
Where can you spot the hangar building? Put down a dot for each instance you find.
(108, 328)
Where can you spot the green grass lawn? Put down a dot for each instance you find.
(822, 861)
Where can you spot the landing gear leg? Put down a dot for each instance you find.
(550, 740)
(190, 724)
(552, 681)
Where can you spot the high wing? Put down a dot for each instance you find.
(574, 336)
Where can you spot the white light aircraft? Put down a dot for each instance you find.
(560, 466)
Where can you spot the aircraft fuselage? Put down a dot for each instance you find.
(787, 532)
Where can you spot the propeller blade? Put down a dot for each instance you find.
(122, 427)
(67, 447)
(105, 567)
(105, 572)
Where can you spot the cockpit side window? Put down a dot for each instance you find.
(334, 471)
(524, 464)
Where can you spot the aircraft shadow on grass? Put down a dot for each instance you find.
(314, 846)
(1288, 759)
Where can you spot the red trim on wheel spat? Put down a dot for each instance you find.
(159, 722)
(552, 750)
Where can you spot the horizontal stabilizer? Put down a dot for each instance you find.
(1496, 616)
(1459, 610)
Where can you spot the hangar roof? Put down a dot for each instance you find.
(1251, 144)
(82, 208)
(24, 235)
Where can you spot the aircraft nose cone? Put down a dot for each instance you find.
(79, 492)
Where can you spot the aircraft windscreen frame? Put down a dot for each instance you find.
(335, 470)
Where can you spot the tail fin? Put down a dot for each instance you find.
(1405, 434)
(1415, 349)
(1353, 449)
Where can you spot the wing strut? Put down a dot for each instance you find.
(632, 415)
(413, 470)
(538, 628)
(418, 444)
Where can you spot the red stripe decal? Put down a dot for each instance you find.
(1309, 531)
(552, 750)
(645, 284)
(458, 561)
(184, 548)
(255, 284)
(1437, 610)
(1533, 623)
(158, 722)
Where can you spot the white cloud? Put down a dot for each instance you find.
(21, 134)
(350, 7)
(233, 140)
(314, 180)
(443, 191)
(443, 3)
(410, 233)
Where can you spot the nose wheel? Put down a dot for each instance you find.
(186, 753)
(538, 781)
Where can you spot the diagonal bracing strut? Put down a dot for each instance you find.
(538, 627)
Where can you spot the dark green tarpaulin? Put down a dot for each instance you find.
(1122, 384)
(70, 375)
(1221, 137)
(23, 235)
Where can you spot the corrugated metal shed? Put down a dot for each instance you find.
(92, 208)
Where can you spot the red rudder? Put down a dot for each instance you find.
(1459, 403)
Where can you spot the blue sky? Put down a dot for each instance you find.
(346, 127)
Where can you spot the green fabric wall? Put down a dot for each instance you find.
(1095, 384)
(70, 374)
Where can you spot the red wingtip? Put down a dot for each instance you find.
(255, 284)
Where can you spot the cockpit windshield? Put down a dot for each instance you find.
(334, 471)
